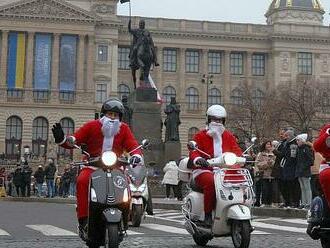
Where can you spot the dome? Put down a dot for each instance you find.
(295, 11)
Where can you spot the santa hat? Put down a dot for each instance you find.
(302, 137)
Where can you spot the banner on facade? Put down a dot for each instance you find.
(16, 60)
(68, 63)
(42, 61)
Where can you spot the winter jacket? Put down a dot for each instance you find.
(265, 162)
(289, 161)
(27, 172)
(305, 159)
(50, 171)
(66, 177)
(276, 172)
(18, 177)
(39, 175)
(171, 173)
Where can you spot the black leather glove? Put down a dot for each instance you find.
(202, 162)
(58, 133)
(134, 160)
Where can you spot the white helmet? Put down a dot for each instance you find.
(216, 111)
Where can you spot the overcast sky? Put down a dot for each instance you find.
(245, 11)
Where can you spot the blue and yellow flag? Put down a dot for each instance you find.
(16, 60)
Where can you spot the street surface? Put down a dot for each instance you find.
(40, 225)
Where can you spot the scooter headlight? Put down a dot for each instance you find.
(229, 158)
(109, 158)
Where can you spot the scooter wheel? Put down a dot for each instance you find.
(325, 242)
(112, 236)
(241, 233)
(200, 240)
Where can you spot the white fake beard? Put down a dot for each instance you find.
(110, 127)
(215, 129)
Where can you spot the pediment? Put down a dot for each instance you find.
(46, 9)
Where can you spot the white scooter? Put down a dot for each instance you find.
(234, 198)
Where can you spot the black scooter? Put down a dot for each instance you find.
(109, 200)
(319, 221)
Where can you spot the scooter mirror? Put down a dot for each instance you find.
(145, 143)
(254, 139)
(192, 145)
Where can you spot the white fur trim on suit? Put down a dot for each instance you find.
(194, 162)
(63, 141)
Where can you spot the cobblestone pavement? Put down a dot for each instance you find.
(40, 225)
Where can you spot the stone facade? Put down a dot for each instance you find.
(95, 23)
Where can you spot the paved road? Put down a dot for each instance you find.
(40, 225)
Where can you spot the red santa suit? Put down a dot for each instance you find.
(91, 134)
(322, 145)
(215, 146)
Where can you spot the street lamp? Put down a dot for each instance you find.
(207, 79)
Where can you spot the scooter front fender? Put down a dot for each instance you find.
(112, 215)
(239, 212)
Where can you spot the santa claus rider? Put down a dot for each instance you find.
(213, 140)
(322, 145)
(106, 133)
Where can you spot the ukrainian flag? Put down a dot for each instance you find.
(16, 60)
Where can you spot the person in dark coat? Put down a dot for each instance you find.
(290, 184)
(66, 177)
(305, 159)
(39, 176)
(18, 180)
(26, 186)
(50, 171)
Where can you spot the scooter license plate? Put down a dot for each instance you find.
(137, 201)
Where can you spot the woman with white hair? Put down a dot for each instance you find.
(305, 159)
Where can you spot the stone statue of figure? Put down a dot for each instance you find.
(127, 116)
(142, 53)
(172, 121)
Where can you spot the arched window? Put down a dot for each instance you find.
(123, 90)
(257, 97)
(68, 128)
(168, 92)
(13, 137)
(214, 96)
(191, 132)
(237, 97)
(192, 98)
(39, 136)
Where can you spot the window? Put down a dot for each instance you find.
(191, 132)
(236, 63)
(214, 62)
(214, 97)
(168, 92)
(123, 59)
(169, 59)
(257, 97)
(68, 128)
(101, 92)
(258, 64)
(192, 98)
(13, 137)
(102, 53)
(39, 136)
(123, 89)
(237, 97)
(192, 61)
(305, 63)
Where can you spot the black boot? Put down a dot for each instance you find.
(82, 228)
(208, 220)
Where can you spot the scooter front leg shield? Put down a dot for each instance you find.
(112, 215)
(239, 212)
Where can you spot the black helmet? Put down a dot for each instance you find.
(113, 105)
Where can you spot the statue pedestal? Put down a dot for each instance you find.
(146, 124)
(172, 151)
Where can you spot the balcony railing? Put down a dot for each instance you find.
(67, 97)
(15, 95)
(41, 96)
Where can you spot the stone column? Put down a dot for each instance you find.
(182, 73)
(4, 51)
(204, 62)
(226, 72)
(55, 62)
(29, 62)
(112, 90)
(80, 63)
(248, 68)
(90, 63)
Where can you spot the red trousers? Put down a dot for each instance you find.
(82, 191)
(206, 182)
(325, 183)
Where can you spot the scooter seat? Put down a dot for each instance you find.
(194, 186)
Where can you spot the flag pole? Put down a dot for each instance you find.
(130, 10)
